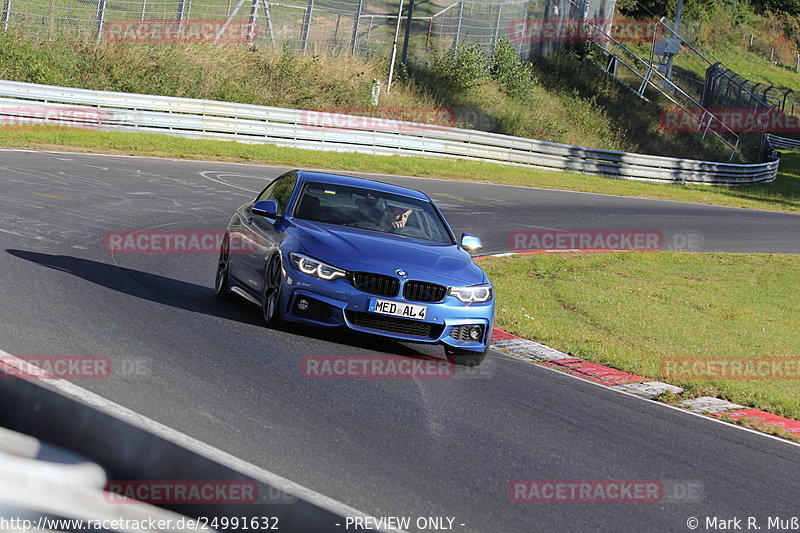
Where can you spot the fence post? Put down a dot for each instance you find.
(394, 47)
(356, 20)
(524, 37)
(306, 25)
(228, 20)
(179, 19)
(144, 8)
(6, 14)
(796, 68)
(252, 23)
(268, 16)
(404, 56)
(496, 35)
(369, 28)
(336, 29)
(428, 36)
(458, 26)
(101, 16)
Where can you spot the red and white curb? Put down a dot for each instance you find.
(540, 354)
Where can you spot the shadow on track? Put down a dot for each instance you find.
(198, 299)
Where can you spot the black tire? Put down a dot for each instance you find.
(222, 287)
(270, 303)
(464, 357)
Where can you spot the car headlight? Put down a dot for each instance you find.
(468, 295)
(312, 267)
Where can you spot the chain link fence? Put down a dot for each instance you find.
(362, 27)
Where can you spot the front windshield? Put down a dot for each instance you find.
(371, 210)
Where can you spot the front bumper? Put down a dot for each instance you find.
(339, 303)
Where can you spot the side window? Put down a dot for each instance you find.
(282, 192)
(279, 190)
(268, 191)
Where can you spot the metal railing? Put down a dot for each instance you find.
(782, 143)
(621, 62)
(314, 130)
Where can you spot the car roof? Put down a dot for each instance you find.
(338, 179)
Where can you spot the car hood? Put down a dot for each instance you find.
(364, 250)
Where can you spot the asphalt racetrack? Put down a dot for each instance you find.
(388, 447)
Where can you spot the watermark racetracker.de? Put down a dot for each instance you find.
(175, 242)
(605, 491)
(202, 492)
(50, 367)
(397, 119)
(741, 120)
(377, 366)
(731, 368)
(572, 30)
(70, 117)
(186, 31)
(529, 240)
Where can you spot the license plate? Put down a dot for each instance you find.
(388, 307)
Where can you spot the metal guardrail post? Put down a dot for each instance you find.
(306, 26)
(101, 16)
(356, 20)
(6, 14)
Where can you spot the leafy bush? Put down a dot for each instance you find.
(463, 67)
(513, 74)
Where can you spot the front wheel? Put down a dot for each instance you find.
(221, 285)
(464, 357)
(270, 304)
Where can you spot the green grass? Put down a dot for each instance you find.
(782, 195)
(632, 310)
(756, 68)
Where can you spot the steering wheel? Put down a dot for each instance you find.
(408, 231)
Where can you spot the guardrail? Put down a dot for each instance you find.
(782, 142)
(132, 452)
(208, 119)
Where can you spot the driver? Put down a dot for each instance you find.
(398, 218)
(375, 211)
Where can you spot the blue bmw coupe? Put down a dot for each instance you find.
(329, 250)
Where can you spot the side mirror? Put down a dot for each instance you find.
(265, 208)
(470, 242)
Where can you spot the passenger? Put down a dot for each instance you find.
(371, 209)
(375, 212)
